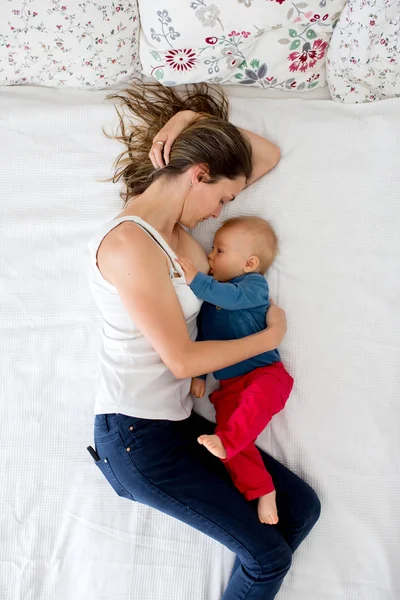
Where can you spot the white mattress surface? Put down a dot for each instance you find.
(334, 200)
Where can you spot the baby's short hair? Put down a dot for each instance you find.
(265, 240)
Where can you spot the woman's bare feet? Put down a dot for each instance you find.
(267, 511)
(213, 445)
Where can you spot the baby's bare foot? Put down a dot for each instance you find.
(267, 511)
(213, 445)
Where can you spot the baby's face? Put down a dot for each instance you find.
(227, 259)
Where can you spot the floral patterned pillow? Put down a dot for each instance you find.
(364, 58)
(75, 43)
(279, 44)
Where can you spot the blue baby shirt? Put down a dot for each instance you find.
(233, 310)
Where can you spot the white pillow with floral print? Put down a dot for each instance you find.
(279, 44)
(75, 43)
(364, 56)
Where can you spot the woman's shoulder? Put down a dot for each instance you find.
(188, 247)
(126, 237)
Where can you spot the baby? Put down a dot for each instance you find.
(236, 301)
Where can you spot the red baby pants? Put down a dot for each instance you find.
(244, 406)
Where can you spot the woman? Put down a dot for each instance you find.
(145, 430)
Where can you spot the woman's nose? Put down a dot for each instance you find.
(217, 212)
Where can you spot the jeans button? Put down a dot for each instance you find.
(131, 428)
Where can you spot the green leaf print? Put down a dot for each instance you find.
(311, 35)
(159, 74)
(156, 55)
(293, 33)
(255, 63)
(295, 44)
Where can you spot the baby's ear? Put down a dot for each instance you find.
(251, 264)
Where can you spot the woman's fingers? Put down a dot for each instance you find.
(167, 150)
(156, 154)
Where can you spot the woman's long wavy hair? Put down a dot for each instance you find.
(143, 109)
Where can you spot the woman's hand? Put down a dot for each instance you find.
(188, 268)
(162, 142)
(276, 322)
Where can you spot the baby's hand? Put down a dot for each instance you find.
(188, 268)
(198, 387)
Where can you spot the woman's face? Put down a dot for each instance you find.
(205, 200)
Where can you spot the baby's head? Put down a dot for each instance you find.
(242, 245)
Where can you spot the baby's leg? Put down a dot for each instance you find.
(251, 403)
(225, 401)
(248, 473)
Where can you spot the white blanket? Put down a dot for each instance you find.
(334, 200)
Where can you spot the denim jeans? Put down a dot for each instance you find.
(160, 463)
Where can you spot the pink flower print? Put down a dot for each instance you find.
(233, 33)
(324, 18)
(58, 26)
(297, 20)
(383, 42)
(35, 14)
(181, 60)
(212, 40)
(63, 8)
(280, 1)
(246, 34)
(308, 57)
(308, 14)
(372, 23)
(315, 18)
(117, 8)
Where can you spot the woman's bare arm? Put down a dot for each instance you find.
(137, 268)
(265, 155)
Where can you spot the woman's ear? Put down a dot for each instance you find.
(200, 173)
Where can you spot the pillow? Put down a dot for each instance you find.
(364, 56)
(75, 43)
(263, 43)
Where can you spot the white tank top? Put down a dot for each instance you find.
(133, 379)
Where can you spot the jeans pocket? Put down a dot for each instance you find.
(105, 467)
(134, 430)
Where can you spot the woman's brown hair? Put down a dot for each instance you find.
(209, 139)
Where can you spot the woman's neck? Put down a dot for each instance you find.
(160, 206)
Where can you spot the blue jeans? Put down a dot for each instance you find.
(161, 464)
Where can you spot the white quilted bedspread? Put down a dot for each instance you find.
(335, 202)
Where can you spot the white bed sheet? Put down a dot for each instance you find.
(334, 200)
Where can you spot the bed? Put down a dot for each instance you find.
(334, 200)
